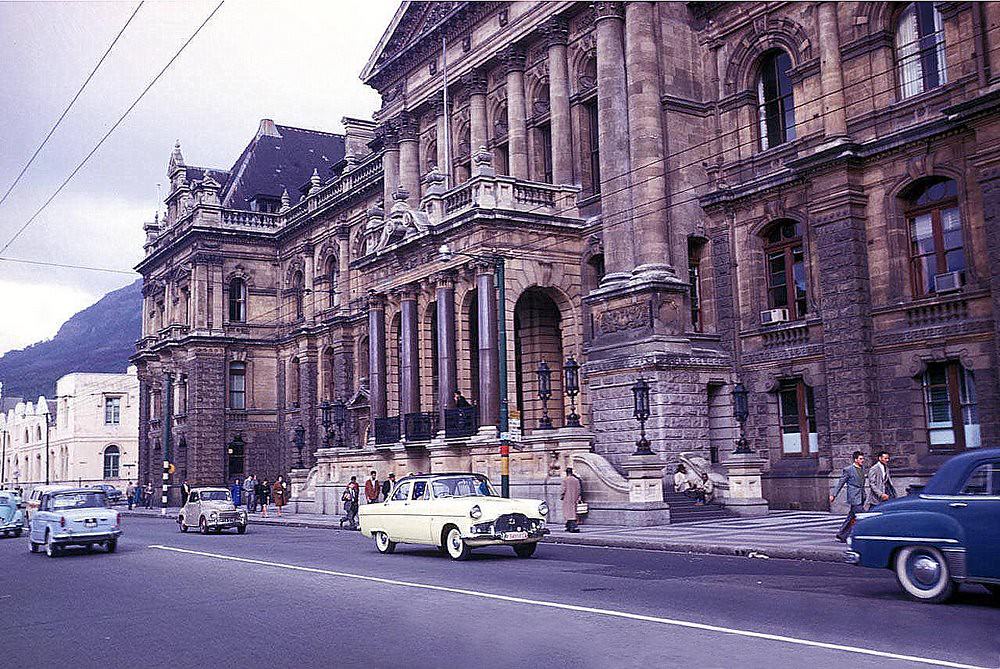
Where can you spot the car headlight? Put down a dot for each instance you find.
(213, 515)
(543, 509)
(475, 512)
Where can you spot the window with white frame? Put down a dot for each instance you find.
(920, 61)
(797, 415)
(112, 410)
(950, 404)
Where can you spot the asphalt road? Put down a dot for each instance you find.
(298, 598)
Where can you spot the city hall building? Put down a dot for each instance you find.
(796, 199)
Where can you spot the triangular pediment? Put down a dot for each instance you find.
(412, 22)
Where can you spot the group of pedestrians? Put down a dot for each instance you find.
(137, 495)
(699, 488)
(375, 491)
(865, 489)
(258, 494)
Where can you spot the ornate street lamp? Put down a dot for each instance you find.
(339, 418)
(327, 420)
(571, 379)
(300, 441)
(544, 393)
(640, 398)
(741, 411)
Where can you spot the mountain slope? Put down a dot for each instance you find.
(98, 339)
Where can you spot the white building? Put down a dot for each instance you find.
(91, 427)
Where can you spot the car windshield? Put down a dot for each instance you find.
(79, 500)
(215, 496)
(463, 486)
(7, 500)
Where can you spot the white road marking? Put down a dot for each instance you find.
(581, 609)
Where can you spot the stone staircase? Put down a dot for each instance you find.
(684, 510)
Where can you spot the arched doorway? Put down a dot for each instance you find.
(537, 337)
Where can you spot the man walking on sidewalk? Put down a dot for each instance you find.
(372, 488)
(853, 477)
(571, 495)
(249, 493)
(878, 484)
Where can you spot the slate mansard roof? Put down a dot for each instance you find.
(280, 157)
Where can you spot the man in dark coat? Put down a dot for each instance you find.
(387, 485)
(185, 492)
(853, 477)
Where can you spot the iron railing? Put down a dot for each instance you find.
(461, 422)
(387, 430)
(418, 426)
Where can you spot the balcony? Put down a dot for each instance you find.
(461, 422)
(418, 426)
(387, 431)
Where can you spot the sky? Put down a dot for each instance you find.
(295, 62)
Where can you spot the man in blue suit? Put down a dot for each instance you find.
(854, 478)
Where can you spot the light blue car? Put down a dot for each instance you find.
(11, 517)
(74, 517)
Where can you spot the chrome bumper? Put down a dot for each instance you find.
(477, 540)
(85, 537)
(852, 557)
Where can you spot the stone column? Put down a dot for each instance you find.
(442, 138)
(475, 82)
(447, 357)
(390, 162)
(612, 121)
(376, 355)
(489, 382)
(409, 358)
(309, 284)
(200, 297)
(409, 158)
(831, 73)
(646, 135)
(556, 33)
(517, 129)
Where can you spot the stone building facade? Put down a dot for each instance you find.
(798, 197)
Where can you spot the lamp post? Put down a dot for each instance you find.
(571, 380)
(640, 398)
(325, 418)
(46, 414)
(544, 393)
(299, 439)
(3, 449)
(741, 411)
(503, 427)
(339, 418)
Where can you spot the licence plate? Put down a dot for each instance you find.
(90, 522)
(514, 536)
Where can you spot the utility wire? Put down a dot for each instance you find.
(113, 128)
(67, 266)
(71, 103)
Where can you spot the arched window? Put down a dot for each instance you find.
(292, 384)
(950, 393)
(920, 59)
(298, 294)
(333, 298)
(937, 256)
(776, 108)
(238, 386)
(786, 268)
(797, 413)
(112, 462)
(237, 301)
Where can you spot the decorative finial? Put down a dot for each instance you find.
(286, 202)
(315, 183)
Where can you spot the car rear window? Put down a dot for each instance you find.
(985, 480)
(78, 500)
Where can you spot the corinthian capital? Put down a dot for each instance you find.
(513, 58)
(475, 82)
(555, 31)
(609, 10)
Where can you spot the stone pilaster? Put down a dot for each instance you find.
(988, 168)
(556, 33)
(489, 381)
(646, 141)
(446, 348)
(831, 72)
(613, 132)
(409, 363)
(517, 129)
(409, 158)
(376, 355)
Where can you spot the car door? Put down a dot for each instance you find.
(417, 514)
(393, 518)
(39, 519)
(191, 515)
(976, 507)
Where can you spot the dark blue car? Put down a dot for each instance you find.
(945, 534)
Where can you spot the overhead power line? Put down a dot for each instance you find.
(120, 120)
(24, 261)
(70, 105)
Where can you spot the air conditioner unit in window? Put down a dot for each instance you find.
(773, 316)
(947, 282)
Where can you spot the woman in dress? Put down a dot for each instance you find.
(265, 497)
(280, 492)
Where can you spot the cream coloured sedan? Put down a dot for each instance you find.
(456, 513)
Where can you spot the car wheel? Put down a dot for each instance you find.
(111, 545)
(32, 547)
(525, 550)
(923, 574)
(50, 547)
(384, 544)
(241, 529)
(455, 544)
(203, 525)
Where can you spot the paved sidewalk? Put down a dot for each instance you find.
(797, 535)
